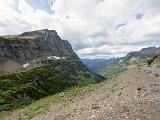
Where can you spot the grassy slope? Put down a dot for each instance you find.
(19, 89)
(113, 70)
(120, 66)
(41, 106)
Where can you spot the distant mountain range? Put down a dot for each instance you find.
(98, 64)
(132, 59)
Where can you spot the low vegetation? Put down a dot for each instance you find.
(150, 61)
(40, 107)
(113, 70)
(20, 89)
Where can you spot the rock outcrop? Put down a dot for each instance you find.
(34, 45)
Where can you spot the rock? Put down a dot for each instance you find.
(95, 106)
(142, 92)
(139, 88)
(92, 117)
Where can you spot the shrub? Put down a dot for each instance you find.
(152, 60)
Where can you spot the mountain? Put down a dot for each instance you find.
(132, 59)
(29, 46)
(142, 55)
(36, 64)
(97, 64)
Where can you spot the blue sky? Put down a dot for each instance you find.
(42, 5)
(95, 28)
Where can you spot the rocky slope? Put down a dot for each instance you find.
(156, 62)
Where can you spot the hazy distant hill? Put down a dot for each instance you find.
(98, 64)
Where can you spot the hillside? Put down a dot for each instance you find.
(155, 61)
(132, 95)
(97, 64)
(131, 60)
(38, 64)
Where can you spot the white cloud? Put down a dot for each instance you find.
(90, 25)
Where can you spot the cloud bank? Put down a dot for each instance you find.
(95, 28)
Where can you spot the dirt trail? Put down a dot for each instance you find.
(134, 95)
(153, 70)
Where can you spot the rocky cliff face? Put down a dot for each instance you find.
(34, 45)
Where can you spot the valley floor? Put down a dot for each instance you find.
(133, 95)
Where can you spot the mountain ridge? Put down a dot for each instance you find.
(132, 59)
(36, 41)
(26, 47)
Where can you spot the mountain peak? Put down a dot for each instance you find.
(44, 31)
(38, 33)
(34, 45)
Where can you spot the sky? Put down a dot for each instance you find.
(95, 28)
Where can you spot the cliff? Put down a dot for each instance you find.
(18, 50)
(33, 45)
